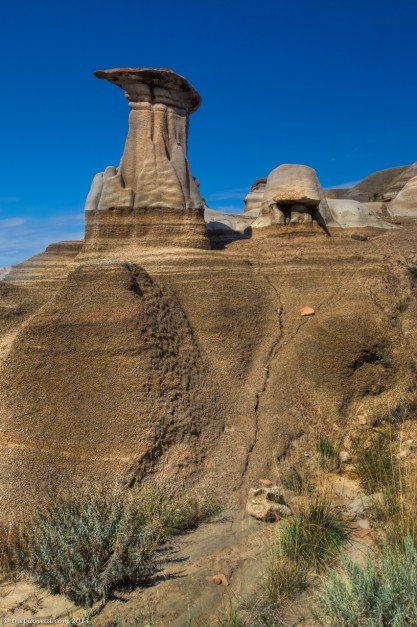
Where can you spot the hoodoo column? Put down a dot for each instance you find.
(154, 173)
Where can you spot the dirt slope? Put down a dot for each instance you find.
(196, 365)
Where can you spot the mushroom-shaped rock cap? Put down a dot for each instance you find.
(292, 183)
(153, 77)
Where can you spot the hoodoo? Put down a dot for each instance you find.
(153, 184)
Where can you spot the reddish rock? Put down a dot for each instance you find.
(307, 311)
(265, 482)
(219, 579)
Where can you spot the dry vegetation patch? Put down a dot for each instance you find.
(89, 542)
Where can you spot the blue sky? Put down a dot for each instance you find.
(326, 83)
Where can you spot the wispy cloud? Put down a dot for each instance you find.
(22, 237)
(237, 193)
(344, 185)
(9, 200)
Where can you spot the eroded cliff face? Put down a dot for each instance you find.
(142, 352)
(195, 367)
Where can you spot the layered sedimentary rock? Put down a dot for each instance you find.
(382, 185)
(45, 271)
(152, 195)
(405, 203)
(253, 200)
(192, 366)
(348, 214)
(120, 381)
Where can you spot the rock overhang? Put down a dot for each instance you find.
(153, 78)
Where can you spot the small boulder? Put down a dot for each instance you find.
(307, 311)
(219, 579)
(267, 504)
(344, 457)
(360, 237)
(265, 482)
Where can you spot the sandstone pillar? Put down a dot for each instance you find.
(154, 173)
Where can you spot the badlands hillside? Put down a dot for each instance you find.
(202, 350)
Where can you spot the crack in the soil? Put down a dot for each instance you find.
(267, 367)
(273, 351)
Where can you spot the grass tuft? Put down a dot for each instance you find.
(376, 463)
(329, 455)
(296, 481)
(412, 269)
(314, 535)
(284, 579)
(402, 304)
(230, 617)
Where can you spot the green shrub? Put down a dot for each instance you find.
(314, 535)
(88, 544)
(329, 455)
(384, 592)
(92, 541)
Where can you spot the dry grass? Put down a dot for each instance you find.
(9, 544)
(314, 535)
(375, 460)
(329, 454)
(283, 580)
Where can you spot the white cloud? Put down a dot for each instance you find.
(11, 222)
(22, 237)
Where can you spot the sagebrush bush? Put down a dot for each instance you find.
(91, 541)
(314, 535)
(87, 544)
(384, 592)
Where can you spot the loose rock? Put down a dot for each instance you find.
(267, 504)
(219, 579)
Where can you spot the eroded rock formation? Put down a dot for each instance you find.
(154, 177)
(292, 195)
(405, 203)
(253, 200)
(122, 361)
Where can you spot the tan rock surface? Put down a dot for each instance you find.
(292, 195)
(154, 179)
(405, 203)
